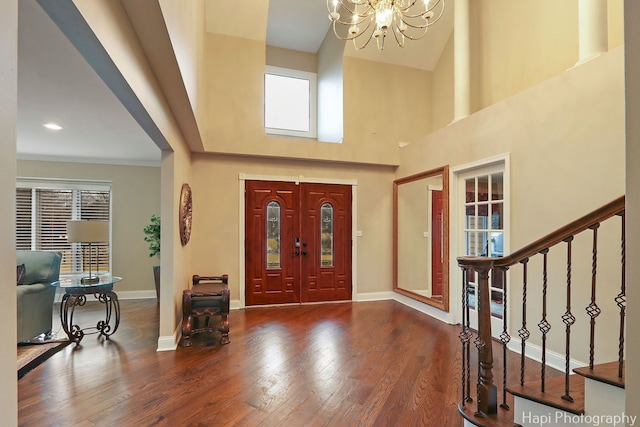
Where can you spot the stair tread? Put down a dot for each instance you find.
(604, 372)
(552, 396)
(504, 418)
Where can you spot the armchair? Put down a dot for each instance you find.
(35, 293)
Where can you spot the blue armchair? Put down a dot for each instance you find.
(35, 294)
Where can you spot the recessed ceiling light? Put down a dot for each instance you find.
(52, 126)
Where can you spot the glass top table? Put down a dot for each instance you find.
(76, 296)
(73, 284)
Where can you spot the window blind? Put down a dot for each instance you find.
(42, 213)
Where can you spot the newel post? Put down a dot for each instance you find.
(487, 391)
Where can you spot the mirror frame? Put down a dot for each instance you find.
(444, 171)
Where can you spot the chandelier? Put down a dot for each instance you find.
(363, 20)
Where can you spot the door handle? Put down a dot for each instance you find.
(297, 253)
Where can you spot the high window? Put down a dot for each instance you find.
(43, 208)
(290, 102)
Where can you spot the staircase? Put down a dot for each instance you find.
(584, 396)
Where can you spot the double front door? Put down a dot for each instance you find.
(297, 242)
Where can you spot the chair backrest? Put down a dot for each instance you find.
(40, 266)
(206, 279)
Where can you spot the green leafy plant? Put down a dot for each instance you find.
(152, 236)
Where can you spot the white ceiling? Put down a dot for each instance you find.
(55, 83)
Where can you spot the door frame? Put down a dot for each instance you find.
(456, 226)
(243, 177)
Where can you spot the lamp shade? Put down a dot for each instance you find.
(87, 231)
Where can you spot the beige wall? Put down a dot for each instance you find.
(185, 24)
(286, 58)
(615, 22)
(111, 25)
(442, 89)
(135, 197)
(8, 137)
(566, 148)
(383, 104)
(516, 45)
(215, 244)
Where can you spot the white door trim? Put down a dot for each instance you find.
(242, 177)
(455, 237)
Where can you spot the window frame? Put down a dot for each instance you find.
(75, 186)
(312, 78)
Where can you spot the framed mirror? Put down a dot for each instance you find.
(421, 237)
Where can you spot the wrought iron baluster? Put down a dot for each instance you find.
(544, 325)
(480, 344)
(465, 336)
(592, 309)
(621, 298)
(468, 328)
(505, 338)
(523, 332)
(569, 319)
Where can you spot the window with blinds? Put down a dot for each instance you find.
(43, 209)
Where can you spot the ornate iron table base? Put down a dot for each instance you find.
(75, 297)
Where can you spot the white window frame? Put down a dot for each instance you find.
(73, 185)
(313, 96)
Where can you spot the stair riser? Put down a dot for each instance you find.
(603, 399)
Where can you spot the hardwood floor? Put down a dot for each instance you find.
(348, 364)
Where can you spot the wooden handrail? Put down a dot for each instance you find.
(615, 207)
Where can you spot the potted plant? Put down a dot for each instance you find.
(152, 236)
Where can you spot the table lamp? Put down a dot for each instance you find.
(88, 231)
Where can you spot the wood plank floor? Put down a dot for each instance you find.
(348, 364)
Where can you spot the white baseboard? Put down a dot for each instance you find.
(424, 308)
(170, 342)
(373, 296)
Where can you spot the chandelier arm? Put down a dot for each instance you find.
(352, 37)
(410, 5)
(396, 29)
(419, 15)
(424, 32)
(366, 14)
(340, 4)
(429, 9)
(365, 43)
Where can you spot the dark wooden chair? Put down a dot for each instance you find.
(203, 304)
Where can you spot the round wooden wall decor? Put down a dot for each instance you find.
(185, 214)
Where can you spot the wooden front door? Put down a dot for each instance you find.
(297, 242)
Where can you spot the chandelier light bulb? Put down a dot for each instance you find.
(384, 15)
